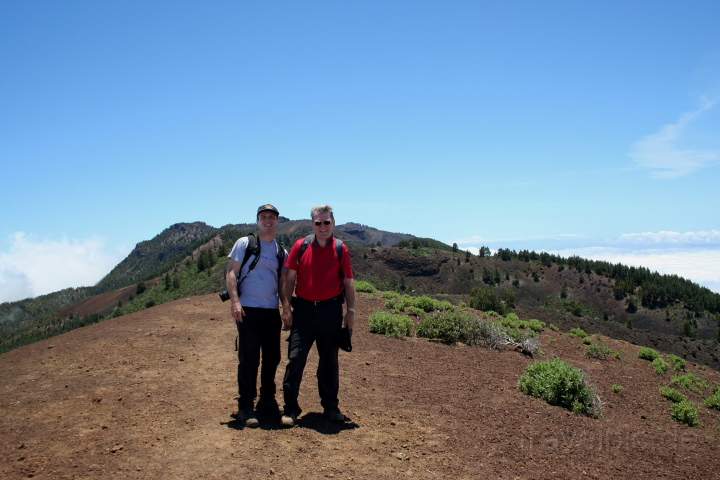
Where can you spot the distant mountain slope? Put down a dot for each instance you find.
(32, 319)
(153, 257)
(188, 259)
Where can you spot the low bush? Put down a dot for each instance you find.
(713, 401)
(388, 294)
(487, 300)
(520, 329)
(578, 332)
(660, 366)
(560, 384)
(672, 394)
(365, 286)
(686, 412)
(390, 324)
(418, 312)
(690, 382)
(587, 341)
(536, 325)
(617, 388)
(600, 352)
(404, 303)
(450, 327)
(676, 362)
(647, 353)
(428, 304)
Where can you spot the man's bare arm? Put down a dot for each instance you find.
(287, 282)
(350, 303)
(231, 279)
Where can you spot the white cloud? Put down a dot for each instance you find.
(701, 237)
(475, 240)
(700, 266)
(660, 153)
(32, 267)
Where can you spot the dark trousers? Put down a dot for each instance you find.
(259, 331)
(313, 323)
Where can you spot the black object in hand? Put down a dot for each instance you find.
(345, 339)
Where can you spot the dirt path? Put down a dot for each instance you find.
(149, 395)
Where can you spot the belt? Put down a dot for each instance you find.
(317, 303)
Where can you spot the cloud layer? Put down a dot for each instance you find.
(661, 153)
(700, 266)
(32, 267)
(694, 255)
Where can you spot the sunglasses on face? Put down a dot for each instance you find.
(324, 222)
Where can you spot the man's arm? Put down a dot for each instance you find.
(231, 283)
(350, 303)
(289, 276)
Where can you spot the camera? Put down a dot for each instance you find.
(224, 296)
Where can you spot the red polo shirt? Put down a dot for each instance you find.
(318, 273)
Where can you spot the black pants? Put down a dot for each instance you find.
(319, 324)
(259, 330)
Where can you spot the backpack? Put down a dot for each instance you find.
(253, 249)
(338, 248)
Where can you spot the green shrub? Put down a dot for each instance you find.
(365, 286)
(414, 311)
(536, 325)
(558, 383)
(485, 299)
(600, 352)
(404, 303)
(647, 353)
(388, 294)
(713, 401)
(617, 388)
(578, 332)
(690, 382)
(587, 341)
(686, 412)
(450, 327)
(431, 305)
(672, 394)
(660, 365)
(390, 324)
(676, 362)
(518, 329)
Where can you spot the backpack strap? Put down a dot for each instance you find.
(338, 248)
(306, 243)
(252, 249)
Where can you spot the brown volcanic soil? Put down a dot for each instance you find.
(149, 395)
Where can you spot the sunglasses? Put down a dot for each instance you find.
(324, 222)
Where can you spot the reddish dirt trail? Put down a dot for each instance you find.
(149, 395)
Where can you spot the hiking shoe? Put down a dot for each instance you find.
(288, 420)
(268, 408)
(247, 418)
(334, 416)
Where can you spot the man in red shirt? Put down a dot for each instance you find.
(322, 282)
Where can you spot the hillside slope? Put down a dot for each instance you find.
(148, 395)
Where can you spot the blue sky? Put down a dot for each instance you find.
(559, 125)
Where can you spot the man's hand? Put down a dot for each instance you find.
(237, 312)
(287, 317)
(349, 320)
